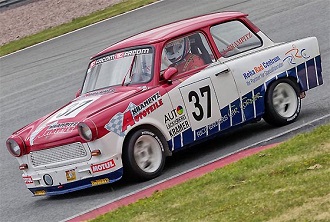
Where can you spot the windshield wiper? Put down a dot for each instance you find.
(129, 72)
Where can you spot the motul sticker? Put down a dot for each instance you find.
(103, 166)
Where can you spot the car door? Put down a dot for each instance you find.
(205, 100)
(212, 100)
(235, 42)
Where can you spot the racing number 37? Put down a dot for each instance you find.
(193, 96)
(201, 103)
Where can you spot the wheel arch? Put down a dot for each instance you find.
(270, 81)
(268, 86)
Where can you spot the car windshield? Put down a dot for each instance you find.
(132, 66)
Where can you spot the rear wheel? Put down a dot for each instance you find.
(143, 154)
(282, 105)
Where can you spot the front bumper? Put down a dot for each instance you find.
(71, 167)
(78, 185)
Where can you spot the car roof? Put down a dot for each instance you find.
(172, 30)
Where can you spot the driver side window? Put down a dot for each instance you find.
(187, 53)
(234, 37)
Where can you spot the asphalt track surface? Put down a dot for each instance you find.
(40, 79)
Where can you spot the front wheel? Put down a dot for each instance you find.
(143, 154)
(282, 105)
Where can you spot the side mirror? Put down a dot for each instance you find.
(78, 93)
(169, 73)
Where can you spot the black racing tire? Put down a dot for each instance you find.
(282, 102)
(144, 154)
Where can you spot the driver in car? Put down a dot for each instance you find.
(178, 52)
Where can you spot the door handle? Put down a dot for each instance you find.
(223, 71)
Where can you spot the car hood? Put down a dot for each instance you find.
(62, 124)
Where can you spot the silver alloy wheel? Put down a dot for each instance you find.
(148, 153)
(285, 100)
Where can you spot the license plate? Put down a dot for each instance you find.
(100, 181)
(70, 175)
(40, 193)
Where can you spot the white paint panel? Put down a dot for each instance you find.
(252, 70)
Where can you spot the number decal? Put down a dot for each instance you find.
(73, 109)
(208, 99)
(197, 105)
(193, 95)
(201, 103)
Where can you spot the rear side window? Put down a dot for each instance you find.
(234, 37)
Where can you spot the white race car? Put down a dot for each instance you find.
(156, 92)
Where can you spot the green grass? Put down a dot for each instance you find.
(290, 182)
(73, 25)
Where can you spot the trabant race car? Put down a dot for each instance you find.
(160, 91)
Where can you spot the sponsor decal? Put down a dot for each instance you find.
(173, 114)
(100, 181)
(27, 179)
(103, 166)
(53, 129)
(176, 122)
(148, 103)
(217, 123)
(179, 110)
(93, 64)
(245, 102)
(69, 111)
(233, 111)
(133, 114)
(295, 53)
(263, 69)
(120, 55)
(235, 44)
(201, 132)
(70, 175)
(65, 126)
(40, 193)
(248, 101)
(59, 128)
(180, 127)
(100, 92)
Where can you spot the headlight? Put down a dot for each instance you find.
(48, 179)
(15, 147)
(87, 130)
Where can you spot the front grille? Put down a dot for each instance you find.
(69, 152)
